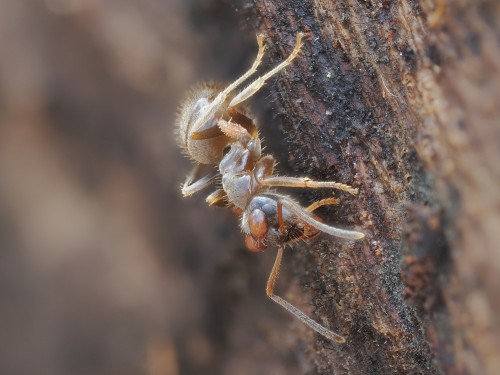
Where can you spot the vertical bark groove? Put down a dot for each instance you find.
(401, 100)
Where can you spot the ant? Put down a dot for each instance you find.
(215, 129)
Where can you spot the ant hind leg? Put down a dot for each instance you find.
(233, 130)
(219, 100)
(256, 85)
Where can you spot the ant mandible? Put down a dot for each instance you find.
(215, 130)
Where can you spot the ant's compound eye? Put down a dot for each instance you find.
(258, 224)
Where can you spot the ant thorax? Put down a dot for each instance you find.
(237, 170)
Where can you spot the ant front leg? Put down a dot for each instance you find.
(305, 215)
(323, 202)
(291, 308)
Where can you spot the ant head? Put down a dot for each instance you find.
(268, 223)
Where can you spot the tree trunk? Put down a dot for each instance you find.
(106, 269)
(399, 99)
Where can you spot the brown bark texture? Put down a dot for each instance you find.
(400, 99)
(106, 269)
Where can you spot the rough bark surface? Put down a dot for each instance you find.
(106, 269)
(400, 99)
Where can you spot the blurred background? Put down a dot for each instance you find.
(104, 269)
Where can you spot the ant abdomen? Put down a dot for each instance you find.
(205, 144)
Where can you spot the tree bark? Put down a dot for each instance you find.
(401, 100)
(106, 269)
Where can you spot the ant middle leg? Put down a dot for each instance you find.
(193, 185)
(305, 182)
(291, 308)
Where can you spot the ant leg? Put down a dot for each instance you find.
(305, 216)
(281, 222)
(323, 202)
(217, 198)
(211, 108)
(189, 187)
(233, 130)
(305, 182)
(249, 72)
(291, 308)
(255, 86)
